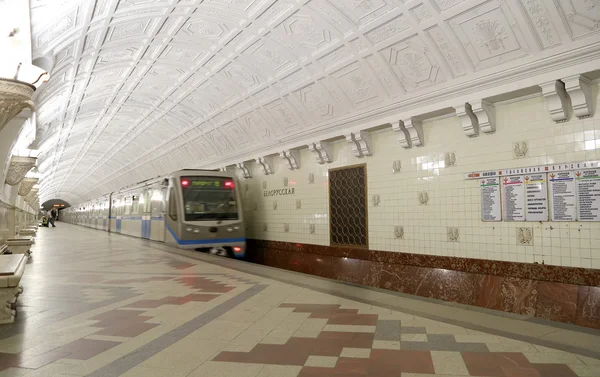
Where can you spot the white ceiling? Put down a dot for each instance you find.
(144, 87)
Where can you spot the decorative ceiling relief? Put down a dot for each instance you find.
(490, 35)
(18, 168)
(414, 65)
(143, 87)
(582, 16)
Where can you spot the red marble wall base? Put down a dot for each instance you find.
(562, 294)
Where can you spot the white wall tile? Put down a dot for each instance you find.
(453, 202)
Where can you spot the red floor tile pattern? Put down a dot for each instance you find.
(81, 349)
(172, 300)
(125, 323)
(203, 284)
(380, 363)
(335, 315)
(173, 263)
(139, 280)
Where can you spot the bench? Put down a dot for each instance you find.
(20, 245)
(29, 231)
(3, 249)
(11, 272)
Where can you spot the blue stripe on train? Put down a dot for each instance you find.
(204, 242)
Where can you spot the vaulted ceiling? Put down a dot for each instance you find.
(140, 88)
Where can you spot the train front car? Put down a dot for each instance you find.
(204, 213)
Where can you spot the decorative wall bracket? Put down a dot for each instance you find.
(18, 168)
(476, 116)
(26, 185)
(360, 143)
(291, 158)
(31, 197)
(555, 97)
(223, 169)
(410, 132)
(578, 87)
(15, 96)
(322, 151)
(265, 166)
(245, 172)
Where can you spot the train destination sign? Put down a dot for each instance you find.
(588, 193)
(536, 191)
(279, 192)
(564, 196)
(490, 199)
(514, 198)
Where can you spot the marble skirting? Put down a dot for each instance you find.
(562, 294)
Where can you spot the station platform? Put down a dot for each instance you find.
(99, 304)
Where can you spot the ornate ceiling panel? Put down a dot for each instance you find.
(141, 87)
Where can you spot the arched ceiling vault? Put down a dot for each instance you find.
(142, 87)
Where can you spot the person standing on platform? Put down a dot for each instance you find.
(51, 217)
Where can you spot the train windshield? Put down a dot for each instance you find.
(209, 198)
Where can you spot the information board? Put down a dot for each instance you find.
(536, 192)
(588, 194)
(514, 198)
(491, 207)
(564, 197)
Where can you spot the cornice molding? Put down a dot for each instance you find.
(291, 158)
(15, 96)
(18, 168)
(580, 92)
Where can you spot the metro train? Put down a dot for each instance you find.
(190, 209)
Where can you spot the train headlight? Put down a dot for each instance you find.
(188, 229)
(196, 230)
(229, 229)
(236, 227)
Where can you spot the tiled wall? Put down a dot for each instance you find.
(453, 202)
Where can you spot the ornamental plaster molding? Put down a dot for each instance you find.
(360, 142)
(18, 168)
(245, 172)
(410, 132)
(578, 87)
(291, 158)
(15, 96)
(26, 185)
(31, 198)
(555, 97)
(322, 152)
(485, 116)
(264, 165)
(468, 120)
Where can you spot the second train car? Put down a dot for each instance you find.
(190, 209)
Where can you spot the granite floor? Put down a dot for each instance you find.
(96, 304)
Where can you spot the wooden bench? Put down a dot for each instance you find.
(20, 245)
(11, 272)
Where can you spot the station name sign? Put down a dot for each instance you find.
(279, 192)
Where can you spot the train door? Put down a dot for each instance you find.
(146, 210)
(172, 219)
(157, 226)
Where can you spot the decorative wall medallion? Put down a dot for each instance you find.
(246, 187)
(298, 204)
(452, 234)
(396, 166)
(520, 149)
(450, 159)
(254, 206)
(376, 200)
(311, 228)
(399, 232)
(285, 181)
(423, 198)
(265, 227)
(275, 204)
(18, 168)
(311, 178)
(264, 184)
(286, 228)
(525, 236)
